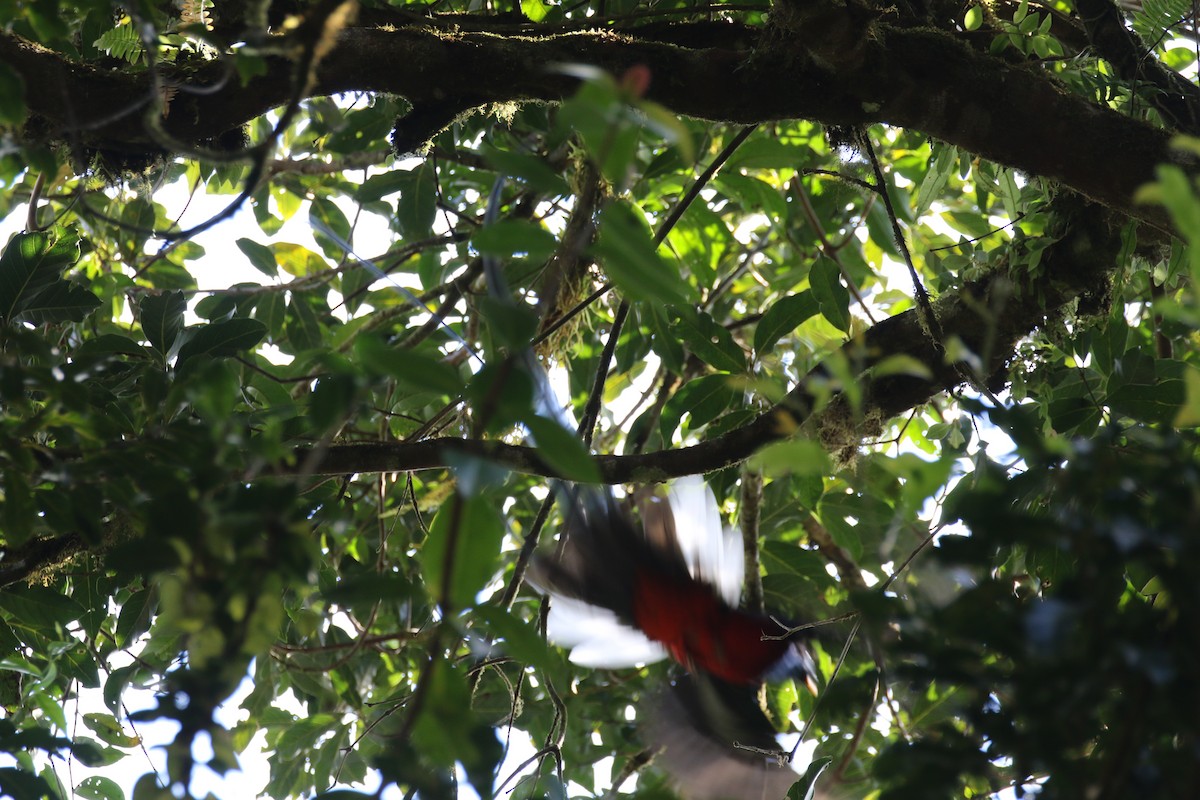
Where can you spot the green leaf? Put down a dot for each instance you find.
(708, 341)
(12, 97)
(704, 398)
(783, 317)
(511, 326)
(799, 457)
(333, 400)
(973, 18)
(415, 370)
(1189, 412)
(161, 316)
(107, 344)
(36, 607)
(1156, 396)
(122, 42)
(562, 450)
(30, 264)
(135, 617)
(61, 301)
(515, 637)
(226, 338)
(369, 588)
(21, 785)
(535, 10)
(463, 547)
(108, 730)
(1009, 192)
(417, 206)
(666, 123)
(944, 162)
(323, 212)
(527, 168)
(380, 186)
(512, 237)
(792, 572)
(770, 153)
(754, 194)
(298, 260)
(449, 732)
(902, 364)
(262, 258)
(631, 259)
(599, 115)
(879, 226)
(806, 787)
(147, 787)
(303, 328)
(832, 297)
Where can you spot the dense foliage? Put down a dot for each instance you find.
(912, 284)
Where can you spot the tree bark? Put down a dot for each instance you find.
(817, 61)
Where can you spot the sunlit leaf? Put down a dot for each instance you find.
(631, 259)
(462, 551)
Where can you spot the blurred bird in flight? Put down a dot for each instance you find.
(624, 594)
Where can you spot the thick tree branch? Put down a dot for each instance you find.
(917, 78)
(1177, 99)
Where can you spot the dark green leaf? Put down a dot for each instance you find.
(562, 450)
(463, 547)
(416, 370)
(36, 607)
(262, 258)
(30, 264)
(665, 343)
(942, 165)
(768, 153)
(136, 613)
(333, 400)
(528, 168)
(12, 97)
(417, 206)
(798, 457)
(324, 214)
(21, 785)
(61, 301)
(161, 316)
(379, 186)
(113, 344)
(832, 297)
(783, 317)
(704, 398)
(630, 257)
(806, 787)
(370, 588)
(226, 338)
(509, 237)
(708, 341)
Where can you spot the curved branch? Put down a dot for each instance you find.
(918, 78)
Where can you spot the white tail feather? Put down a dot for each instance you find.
(713, 553)
(596, 638)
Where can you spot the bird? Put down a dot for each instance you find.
(623, 594)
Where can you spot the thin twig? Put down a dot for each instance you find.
(932, 325)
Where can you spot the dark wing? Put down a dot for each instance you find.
(602, 553)
(715, 743)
